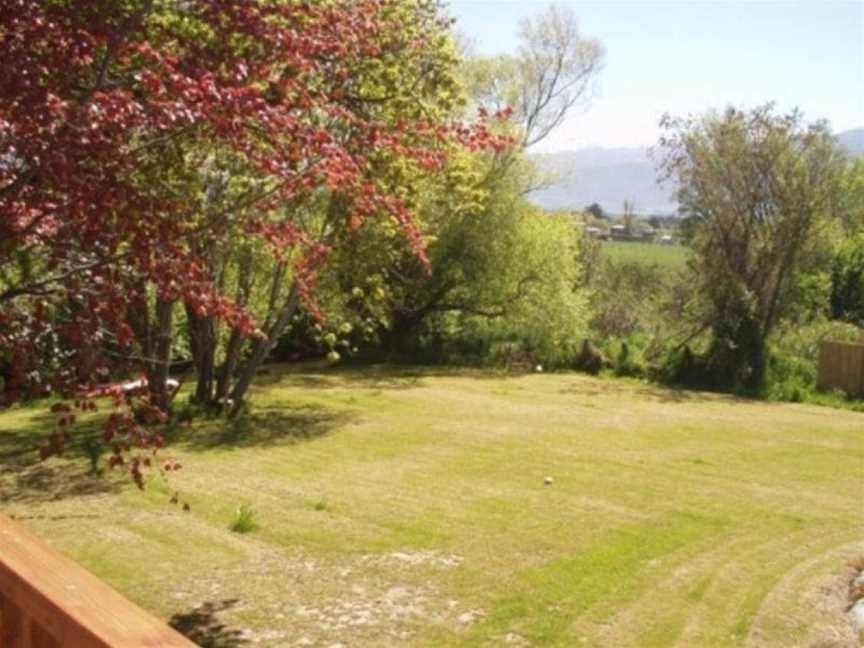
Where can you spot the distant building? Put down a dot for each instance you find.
(648, 234)
(619, 233)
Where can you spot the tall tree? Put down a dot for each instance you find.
(109, 111)
(757, 186)
(475, 226)
(551, 75)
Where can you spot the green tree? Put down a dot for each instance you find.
(852, 198)
(847, 265)
(552, 73)
(484, 237)
(502, 269)
(847, 281)
(760, 189)
(596, 211)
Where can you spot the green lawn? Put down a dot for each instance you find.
(672, 256)
(409, 508)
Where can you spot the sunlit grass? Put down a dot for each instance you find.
(672, 256)
(405, 506)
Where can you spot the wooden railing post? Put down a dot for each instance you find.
(48, 601)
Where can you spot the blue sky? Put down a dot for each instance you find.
(688, 56)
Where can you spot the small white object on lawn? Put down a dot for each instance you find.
(132, 385)
(172, 384)
(539, 368)
(548, 480)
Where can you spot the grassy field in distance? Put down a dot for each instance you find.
(399, 507)
(672, 256)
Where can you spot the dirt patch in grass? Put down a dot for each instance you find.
(372, 600)
(408, 559)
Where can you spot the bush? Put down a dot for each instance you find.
(507, 283)
(625, 364)
(627, 296)
(684, 368)
(244, 520)
(589, 360)
(847, 282)
(794, 354)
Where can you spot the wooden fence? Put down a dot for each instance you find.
(48, 601)
(841, 366)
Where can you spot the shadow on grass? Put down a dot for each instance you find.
(372, 376)
(18, 439)
(271, 426)
(605, 387)
(79, 472)
(47, 482)
(277, 374)
(679, 395)
(202, 625)
(21, 439)
(342, 378)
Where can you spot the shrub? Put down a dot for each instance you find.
(244, 520)
(847, 282)
(626, 296)
(589, 360)
(685, 368)
(507, 284)
(794, 352)
(625, 365)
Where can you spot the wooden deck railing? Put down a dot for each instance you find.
(48, 601)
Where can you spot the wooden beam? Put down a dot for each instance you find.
(48, 601)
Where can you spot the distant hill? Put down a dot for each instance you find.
(853, 141)
(611, 176)
(605, 176)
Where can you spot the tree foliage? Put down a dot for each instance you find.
(847, 281)
(140, 140)
(760, 189)
(596, 211)
(551, 75)
(487, 242)
(502, 270)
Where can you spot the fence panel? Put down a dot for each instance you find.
(841, 366)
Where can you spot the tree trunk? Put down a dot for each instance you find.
(160, 361)
(263, 348)
(401, 339)
(138, 318)
(229, 367)
(203, 331)
(202, 342)
(245, 278)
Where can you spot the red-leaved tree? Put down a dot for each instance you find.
(111, 112)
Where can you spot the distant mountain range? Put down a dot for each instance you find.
(609, 176)
(853, 140)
